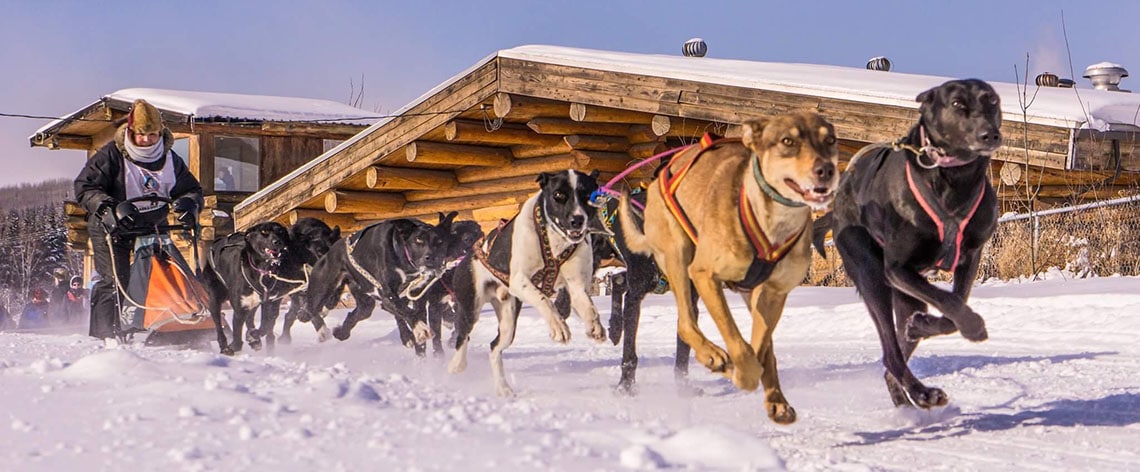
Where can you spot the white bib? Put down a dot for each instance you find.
(141, 182)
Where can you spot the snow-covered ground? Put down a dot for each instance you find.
(1056, 387)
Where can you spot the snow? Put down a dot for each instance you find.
(205, 106)
(1054, 388)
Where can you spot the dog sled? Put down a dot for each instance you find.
(163, 299)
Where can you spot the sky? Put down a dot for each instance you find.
(58, 56)
(1053, 388)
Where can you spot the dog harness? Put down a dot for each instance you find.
(767, 254)
(547, 276)
(951, 227)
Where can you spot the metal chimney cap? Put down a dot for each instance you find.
(1102, 68)
(880, 63)
(695, 47)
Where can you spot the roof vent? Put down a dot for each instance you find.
(879, 63)
(1106, 76)
(1048, 79)
(695, 47)
(1066, 83)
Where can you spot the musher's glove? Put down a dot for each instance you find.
(187, 210)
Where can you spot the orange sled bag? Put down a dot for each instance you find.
(163, 293)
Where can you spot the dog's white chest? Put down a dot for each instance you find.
(250, 301)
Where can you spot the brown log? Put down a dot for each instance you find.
(325, 129)
(597, 143)
(691, 128)
(427, 152)
(331, 219)
(343, 201)
(601, 161)
(523, 108)
(63, 141)
(445, 205)
(596, 114)
(358, 181)
(509, 184)
(661, 125)
(473, 132)
(519, 168)
(642, 134)
(645, 150)
(74, 209)
(527, 152)
(495, 213)
(396, 178)
(564, 126)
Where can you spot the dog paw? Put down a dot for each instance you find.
(340, 333)
(422, 332)
(746, 374)
(458, 364)
(323, 334)
(971, 325)
(781, 413)
(227, 351)
(285, 339)
(626, 389)
(596, 331)
(504, 390)
(926, 398)
(559, 331)
(714, 358)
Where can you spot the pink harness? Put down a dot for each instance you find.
(951, 227)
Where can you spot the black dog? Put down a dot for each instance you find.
(394, 261)
(441, 297)
(544, 248)
(629, 289)
(921, 204)
(244, 269)
(309, 240)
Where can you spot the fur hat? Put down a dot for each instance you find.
(144, 118)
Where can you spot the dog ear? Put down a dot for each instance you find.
(751, 131)
(594, 175)
(926, 96)
(336, 232)
(542, 178)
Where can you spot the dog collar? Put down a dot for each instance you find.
(767, 188)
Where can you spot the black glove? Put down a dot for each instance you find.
(126, 214)
(187, 209)
(106, 215)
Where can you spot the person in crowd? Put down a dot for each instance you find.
(75, 301)
(6, 321)
(35, 315)
(137, 162)
(57, 304)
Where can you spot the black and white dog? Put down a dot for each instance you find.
(309, 240)
(544, 248)
(394, 261)
(244, 268)
(441, 297)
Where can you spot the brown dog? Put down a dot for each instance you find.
(794, 156)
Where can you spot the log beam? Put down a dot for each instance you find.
(522, 108)
(427, 152)
(398, 178)
(597, 143)
(343, 201)
(519, 168)
(473, 132)
(527, 151)
(563, 127)
(331, 219)
(509, 184)
(596, 114)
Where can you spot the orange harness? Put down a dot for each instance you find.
(767, 254)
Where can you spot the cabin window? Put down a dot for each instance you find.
(182, 148)
(237, 163)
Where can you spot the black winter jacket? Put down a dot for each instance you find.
(102, 178)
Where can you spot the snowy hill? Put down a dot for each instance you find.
(1055, 388)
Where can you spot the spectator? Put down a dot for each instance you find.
(74, 301)
(6, 321)
(35, 313)
(57, 304)
(138, 162)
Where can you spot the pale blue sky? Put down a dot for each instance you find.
(57, 56)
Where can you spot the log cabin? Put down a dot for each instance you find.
(476, 142)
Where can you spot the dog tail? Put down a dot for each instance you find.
(819, 229)
(634, 237)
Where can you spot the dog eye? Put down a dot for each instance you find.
(788, 142)
(830, 140)
(958, 104)
(560, 197)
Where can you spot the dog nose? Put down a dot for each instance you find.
(824, 171)
(577, 221)
(990, 137)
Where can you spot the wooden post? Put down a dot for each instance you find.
(397, 178)
(522, 108)
(473, 132)
(427, 152)
(596, 114)
(562, 126)
(344, 201)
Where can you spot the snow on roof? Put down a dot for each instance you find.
(1053, 106)
(230, 106)
(213, 106)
